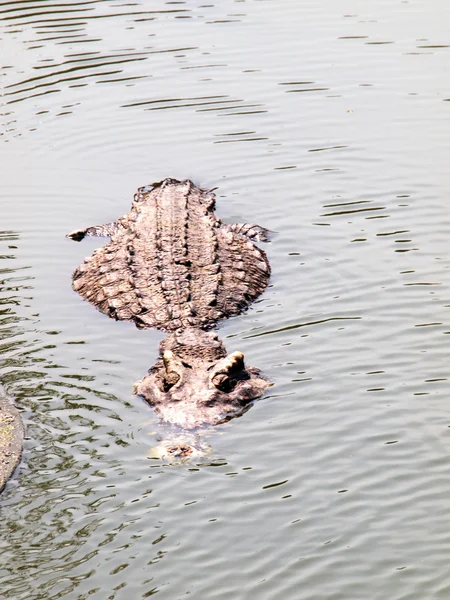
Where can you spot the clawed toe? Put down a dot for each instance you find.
(77, 235)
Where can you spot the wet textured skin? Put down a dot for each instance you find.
(195, 383)
(11, 440)
(173, 265)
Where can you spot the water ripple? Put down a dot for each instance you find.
(311, 124)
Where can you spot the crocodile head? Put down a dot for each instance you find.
(196, 383)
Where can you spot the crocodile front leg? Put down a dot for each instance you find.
(253, 232)
(107, 230)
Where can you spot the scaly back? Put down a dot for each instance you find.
(171, 263)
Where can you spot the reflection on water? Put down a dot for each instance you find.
(323, 489)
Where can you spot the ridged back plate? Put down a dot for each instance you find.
(173, 264)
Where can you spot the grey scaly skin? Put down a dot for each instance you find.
(173, 265)
(195, 383)
(11, 440)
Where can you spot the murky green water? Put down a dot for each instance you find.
(325, 121)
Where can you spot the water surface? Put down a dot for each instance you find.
(327, 122)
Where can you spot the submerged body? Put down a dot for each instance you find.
(173, 265)
(11, 439)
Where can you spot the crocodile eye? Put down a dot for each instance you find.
(168, 381)
(224, 383)
(166, 386)
(171, 373)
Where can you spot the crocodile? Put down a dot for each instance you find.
(173, 265)
(11, 439)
